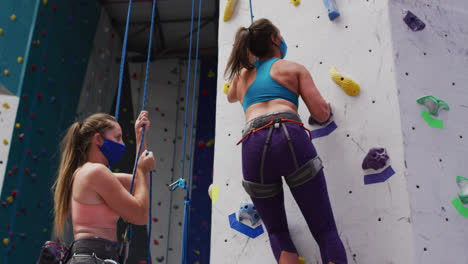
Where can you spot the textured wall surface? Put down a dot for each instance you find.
(56, 65)
(434, 61)
(374, 219)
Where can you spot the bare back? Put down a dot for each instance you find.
(292, 76)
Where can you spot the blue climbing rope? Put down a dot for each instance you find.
(122, 61)
(187, 189)
(143, 108)
(251, 14)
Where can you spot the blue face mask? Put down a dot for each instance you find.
(284, 48)
(113, 151)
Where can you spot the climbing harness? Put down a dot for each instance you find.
(300, 176)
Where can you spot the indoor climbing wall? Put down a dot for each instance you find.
(433, 61)
(371, 207)
(102, 75)
(54, 65)
(166, 100)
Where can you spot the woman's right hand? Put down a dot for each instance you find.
(147, 162)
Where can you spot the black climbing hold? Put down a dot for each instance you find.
(413, 21)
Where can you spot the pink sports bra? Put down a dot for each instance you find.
(93, 215)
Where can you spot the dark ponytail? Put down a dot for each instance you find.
(239, 55)
(255, 39)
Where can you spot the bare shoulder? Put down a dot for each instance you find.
(90, 172)
(290, 66)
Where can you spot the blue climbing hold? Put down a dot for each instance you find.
(332, 9)
(248, 211)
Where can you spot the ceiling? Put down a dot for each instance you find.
(171, 36)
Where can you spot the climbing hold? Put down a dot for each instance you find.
(229, 9)
(462, 183)
(433, 104)
(52, 99)
(205, 93)
(213, 192)
(6, 106)
(210, 143)
(432, 122)
(350, 87)
(44, 2)
(14, 193)
(1, 31)
(18, 125)
(302, 260)
(20, 59)
(6, 241)
(211, 74)
(201, 144)
(21, 136)
(376, 159)
(6, 72)
(134, 76)
(4, 204)
(27, 171)
(295, 2)
(413, 21)
(332, 9)
(10, 199)
(44, 33)
(32, 116)
(226, 87)
(249, 212)
(39, 96)
(13, 17)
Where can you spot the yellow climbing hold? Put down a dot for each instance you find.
(213, 192)
(20, 59)
(18, 125)
(6, 106)
(125, 110)
(132, 122)
(117, 170)
(6, 241)
(5, 142)
(1, 31)
(350, 87)
(44, 2)
(226, 87)
(210, 143)
(197, 252)
(296, 2)
(211, 74)
(13, 17)
(229, 10)
(9, 199)
(301, 260)
(6, 72)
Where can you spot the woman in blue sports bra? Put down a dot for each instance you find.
(275, 142)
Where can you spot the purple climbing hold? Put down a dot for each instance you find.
(376, 159)
(52, 99)
(33, 177)
(413, 21)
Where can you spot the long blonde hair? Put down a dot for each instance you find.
(74, 148)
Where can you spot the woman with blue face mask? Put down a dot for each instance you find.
(275, 143)
(94, 195)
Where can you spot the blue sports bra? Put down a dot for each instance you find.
(265, 88)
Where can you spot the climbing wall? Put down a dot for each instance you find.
(434, 61)
(51, 75)
(372, 212)
(166, 101)
(101, 80)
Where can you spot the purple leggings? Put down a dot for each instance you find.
(312, 196)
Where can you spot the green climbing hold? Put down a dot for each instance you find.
(179, 137)
(462, 183)
(117, 170)
(175, 207)
(433, 104)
